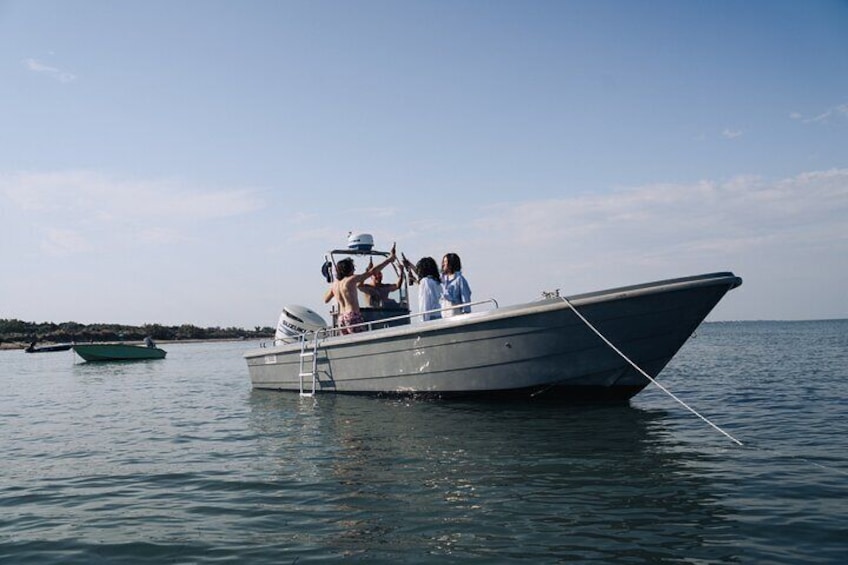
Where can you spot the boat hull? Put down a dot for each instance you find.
(117, 352)
(541, 349)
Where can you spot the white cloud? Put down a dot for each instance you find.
(161, 236)
(839, 112)
(57, 74)
(787, 227)
(786, 237)
(671, 215)
(731, 133)
(87, 203)
(64, 242)
(107, 197)
(374, 212)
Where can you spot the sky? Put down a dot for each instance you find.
(191, 162)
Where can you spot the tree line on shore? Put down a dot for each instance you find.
(18, 331)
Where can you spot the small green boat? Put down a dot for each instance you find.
(117, 352)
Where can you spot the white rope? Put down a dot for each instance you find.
(644, 374)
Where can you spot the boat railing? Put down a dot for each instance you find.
(324, 333)
(412, 315)
(381, 323)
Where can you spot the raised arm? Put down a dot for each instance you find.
(401, 276)
(370, 272)
(409, 267)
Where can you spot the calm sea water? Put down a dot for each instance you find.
(178, 461)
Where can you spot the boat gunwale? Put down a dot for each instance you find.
(542, 305)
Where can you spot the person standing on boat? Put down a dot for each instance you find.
(429, 288)
(378, 292)
(455, 287)
(344, 290)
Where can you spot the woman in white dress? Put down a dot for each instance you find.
(429, 288)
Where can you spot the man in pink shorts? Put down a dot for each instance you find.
(344, 290)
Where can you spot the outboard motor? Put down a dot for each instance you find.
(296, 320)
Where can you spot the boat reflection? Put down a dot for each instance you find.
(496, 480)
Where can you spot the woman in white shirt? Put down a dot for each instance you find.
(429, 288)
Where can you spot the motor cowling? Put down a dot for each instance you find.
(295, 320)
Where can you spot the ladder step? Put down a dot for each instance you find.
(308, 351)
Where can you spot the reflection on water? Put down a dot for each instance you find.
(494, 480)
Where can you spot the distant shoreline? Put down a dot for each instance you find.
(17, 345)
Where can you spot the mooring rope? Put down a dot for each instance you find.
(643, 373)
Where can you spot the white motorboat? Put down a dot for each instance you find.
(593, 346)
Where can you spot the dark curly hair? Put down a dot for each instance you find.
(344, 268)
(426, 267)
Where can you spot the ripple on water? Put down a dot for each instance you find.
(180, 462)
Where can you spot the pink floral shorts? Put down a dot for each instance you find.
(351, 319)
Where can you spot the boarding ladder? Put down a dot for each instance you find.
(308, 354)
